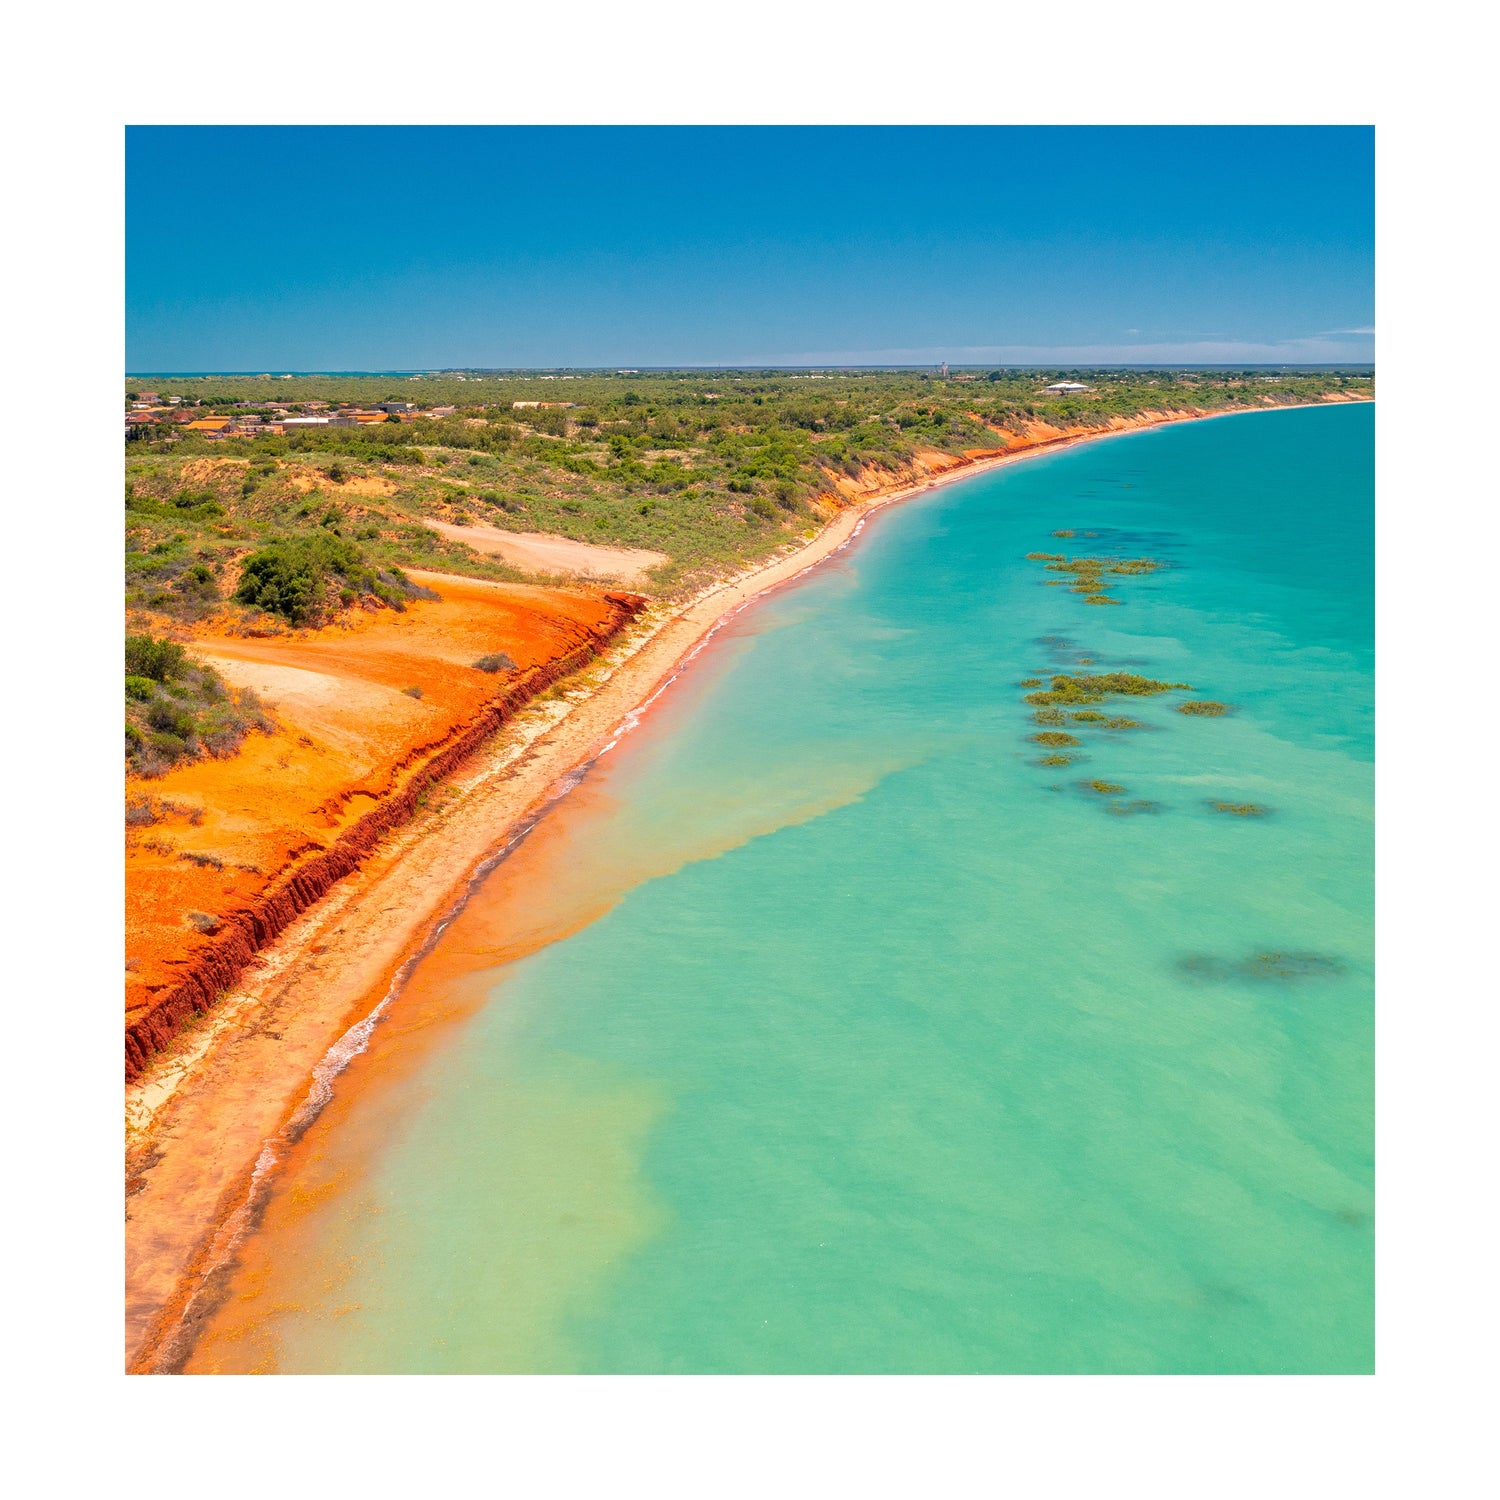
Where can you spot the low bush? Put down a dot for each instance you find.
(304, 579)
(157, 659)
(496, 661)
(184, 712)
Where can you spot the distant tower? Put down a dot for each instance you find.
(944, 371)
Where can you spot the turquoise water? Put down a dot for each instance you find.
(896, 1051)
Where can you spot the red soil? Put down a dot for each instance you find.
(295, 811)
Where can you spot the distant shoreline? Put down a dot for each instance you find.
(184, 1220)
(535, 370)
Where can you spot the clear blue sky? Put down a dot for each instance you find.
(315, 248)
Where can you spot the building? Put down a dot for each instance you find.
(208, 424)
(1065, 388)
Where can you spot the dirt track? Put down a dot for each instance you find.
(537, 552)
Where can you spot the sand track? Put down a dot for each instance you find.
(539, 552)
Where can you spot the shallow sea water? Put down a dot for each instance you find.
(866, 1044)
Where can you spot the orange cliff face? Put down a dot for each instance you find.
(246, 843)
(927, 463)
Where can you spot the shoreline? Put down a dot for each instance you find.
(209, 1123)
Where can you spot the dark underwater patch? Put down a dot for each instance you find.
(1267, 966)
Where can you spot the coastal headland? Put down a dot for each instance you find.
(311, 910)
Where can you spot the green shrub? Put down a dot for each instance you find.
(301, 578)
(146, 656)
(167, 747)
(143, 689)
(172, 718)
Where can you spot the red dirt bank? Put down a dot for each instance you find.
(256, 839)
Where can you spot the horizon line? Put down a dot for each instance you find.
(729, 369)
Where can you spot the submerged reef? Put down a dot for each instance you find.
(1240, 809)
(1069, 696)
(1091, 576)
(1270, 966)
(1054, 707)
(1283, 967)
(1095, 687)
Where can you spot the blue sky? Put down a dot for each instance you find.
(317, 248)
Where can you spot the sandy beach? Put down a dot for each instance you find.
(200, 1119)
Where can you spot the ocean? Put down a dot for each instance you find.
(825, 1028)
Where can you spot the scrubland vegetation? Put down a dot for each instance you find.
(178, 709)
(715, 471)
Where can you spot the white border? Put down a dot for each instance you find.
(1413, 1428)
